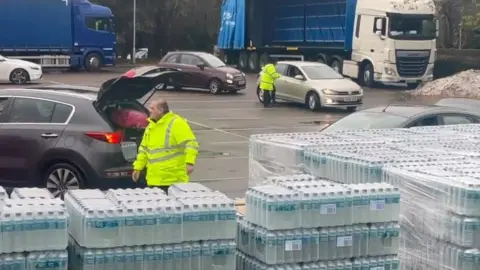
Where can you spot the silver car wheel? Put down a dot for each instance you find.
(312, 103)
(214, 87)
(61, 180)
(19, 76)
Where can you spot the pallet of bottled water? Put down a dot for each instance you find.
(55, 260)
(283, 153)
(305, 219)
(205, 255)
(142, 221)
(148, 217)
(302, 201)
(3, 196)
(31, 193)
(443, 207)
(245, 262)
(33, 224)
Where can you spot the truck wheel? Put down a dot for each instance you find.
(19, 76)
(93, 61)
(264, 59)
(337, 65)
(253, 62)
(367, 75)
(321, 60)
(243, 61)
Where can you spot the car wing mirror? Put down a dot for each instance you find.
(201, 66)
(299, 77)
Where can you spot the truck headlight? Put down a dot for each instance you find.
(229, 76)
(329, 92)
(390, 71)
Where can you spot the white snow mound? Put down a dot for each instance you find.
(465, 84)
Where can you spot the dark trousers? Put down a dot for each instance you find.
(268, 98)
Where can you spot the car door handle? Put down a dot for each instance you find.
(49, 135)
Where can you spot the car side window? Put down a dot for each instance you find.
(3, 105)
(281, 68)
(30, 110)
(190, 60)
(426, 121)
(172, 58)
(457, 119)
(294, 71)
(61, 113)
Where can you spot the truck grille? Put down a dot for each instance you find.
(412, 63)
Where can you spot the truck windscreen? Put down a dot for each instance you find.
(411, 27)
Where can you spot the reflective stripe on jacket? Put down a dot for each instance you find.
(267, 77)
(168, 145)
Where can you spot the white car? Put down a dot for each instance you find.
(19, 71)
(316, 85)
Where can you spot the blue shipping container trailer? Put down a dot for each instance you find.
(394, 39)
(58, 33)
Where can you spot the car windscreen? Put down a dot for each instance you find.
(321, 72)
(213, 61)
(366, 120)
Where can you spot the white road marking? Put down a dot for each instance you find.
(255, 128)
(237, 118)
(235, 142)
(222, 158)
(218, 130)
(55, 82)
(210, 101)
(219, 179)
(219, 109)
(313, 118)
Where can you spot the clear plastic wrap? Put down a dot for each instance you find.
(435, 169)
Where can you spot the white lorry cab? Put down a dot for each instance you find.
(394, 41)
(387, 41)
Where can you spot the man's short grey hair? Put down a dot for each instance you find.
(163, 105)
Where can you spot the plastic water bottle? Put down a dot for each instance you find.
(31, 193)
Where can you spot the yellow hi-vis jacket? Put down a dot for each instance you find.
(168, 145)
(267, 77)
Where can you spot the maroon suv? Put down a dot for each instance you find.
(202, 70)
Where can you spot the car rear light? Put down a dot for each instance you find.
(109, 137)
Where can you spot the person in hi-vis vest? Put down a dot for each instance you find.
(168, 149)
(267, 79)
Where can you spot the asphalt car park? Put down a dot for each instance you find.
(224, 122)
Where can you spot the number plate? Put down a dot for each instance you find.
(242, 82)
(350, 99)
